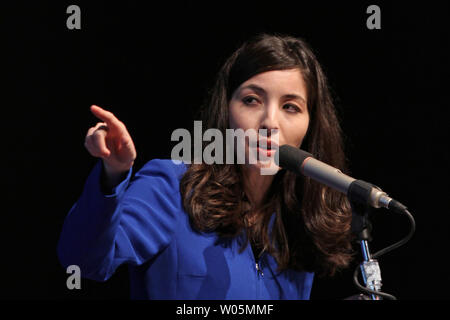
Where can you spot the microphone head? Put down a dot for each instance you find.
(291, 158)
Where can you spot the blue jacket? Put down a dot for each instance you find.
(142, 223)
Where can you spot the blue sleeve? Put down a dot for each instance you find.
(130, 225)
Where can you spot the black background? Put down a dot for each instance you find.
(151, 65)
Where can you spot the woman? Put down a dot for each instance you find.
(220, 231)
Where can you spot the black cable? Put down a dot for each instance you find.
(402, 241)
(383, 251)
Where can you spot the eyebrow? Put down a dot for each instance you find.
(262, 91)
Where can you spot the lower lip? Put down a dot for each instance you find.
(268, 152)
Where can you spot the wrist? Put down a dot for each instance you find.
(114, 171)
(113, 175)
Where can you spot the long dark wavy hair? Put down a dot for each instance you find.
(311, 230)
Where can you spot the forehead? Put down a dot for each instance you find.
(279, 81)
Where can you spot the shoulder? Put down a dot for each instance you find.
(162, 171)
(171, 167)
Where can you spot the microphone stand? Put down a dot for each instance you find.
(370, 268)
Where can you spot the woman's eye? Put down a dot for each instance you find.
(291, 108)
(249, 100)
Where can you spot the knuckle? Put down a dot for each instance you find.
(96, 144)
(98, 134)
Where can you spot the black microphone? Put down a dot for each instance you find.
(302, 162)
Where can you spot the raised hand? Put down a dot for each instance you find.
(110, 141)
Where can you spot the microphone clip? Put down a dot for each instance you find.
(361, 225)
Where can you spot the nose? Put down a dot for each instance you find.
(270, 120)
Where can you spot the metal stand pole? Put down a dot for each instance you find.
(370, 269)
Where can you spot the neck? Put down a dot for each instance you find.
(255, 185)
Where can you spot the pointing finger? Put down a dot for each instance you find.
(105, 116)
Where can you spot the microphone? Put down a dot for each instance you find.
(303, 163)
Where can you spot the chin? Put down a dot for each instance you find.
(265, 167)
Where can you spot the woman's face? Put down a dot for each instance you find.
(275, 101)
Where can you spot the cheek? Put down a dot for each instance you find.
(232, 116)
(238, 118)
(296, 133)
